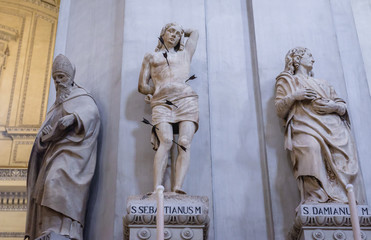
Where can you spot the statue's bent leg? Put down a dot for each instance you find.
(165, 134)
(186, 132)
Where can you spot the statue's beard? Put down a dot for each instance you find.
(63, 90)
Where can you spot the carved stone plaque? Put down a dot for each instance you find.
(329, 221)
(175, 205)
(333, 210)
(186, 217)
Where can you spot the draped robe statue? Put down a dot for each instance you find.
(63, 159)
(318, 134)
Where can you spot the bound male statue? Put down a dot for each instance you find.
(318, 136)
(63, 159)
(174, 103)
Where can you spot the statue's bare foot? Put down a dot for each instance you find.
(180, 191)
(147, 195)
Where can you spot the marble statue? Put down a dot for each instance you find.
(174, 104)
(318, 135)
(63, 159)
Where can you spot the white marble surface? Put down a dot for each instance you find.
(237, 166)
(238, 159)
(314, 24)
(362, 19)
(356, 83)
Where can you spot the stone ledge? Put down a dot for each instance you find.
(329, 221)
(186, 217)
(324, 233)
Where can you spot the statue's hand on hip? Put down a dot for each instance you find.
(148, 98)
(66, 121)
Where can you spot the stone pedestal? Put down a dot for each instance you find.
(186, 217)
(329, 221)
(52, 236)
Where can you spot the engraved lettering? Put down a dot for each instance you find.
(327, 210)
(365, 211)
(315, 210)
(167, 210)
(190, 210)
(152, 209)
(342, 210)
(133, 209)
(320, 211)
(305, 209)
(336, 212)
(198, 210)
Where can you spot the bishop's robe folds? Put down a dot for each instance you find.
(60, 171)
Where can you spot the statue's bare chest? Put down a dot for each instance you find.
(161, 59)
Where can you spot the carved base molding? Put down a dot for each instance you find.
(13, 195)
(11, 234)
(325, 233)
(13, 174)
(329, 221)
(186, 217)
(13, 201)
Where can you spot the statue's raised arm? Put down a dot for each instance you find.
(191, 44)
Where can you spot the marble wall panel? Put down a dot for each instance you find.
(142, 25)
(355, 75)
(362, 18)
(90, 34)
(319, 26)
(238, 159)
(239, 173)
